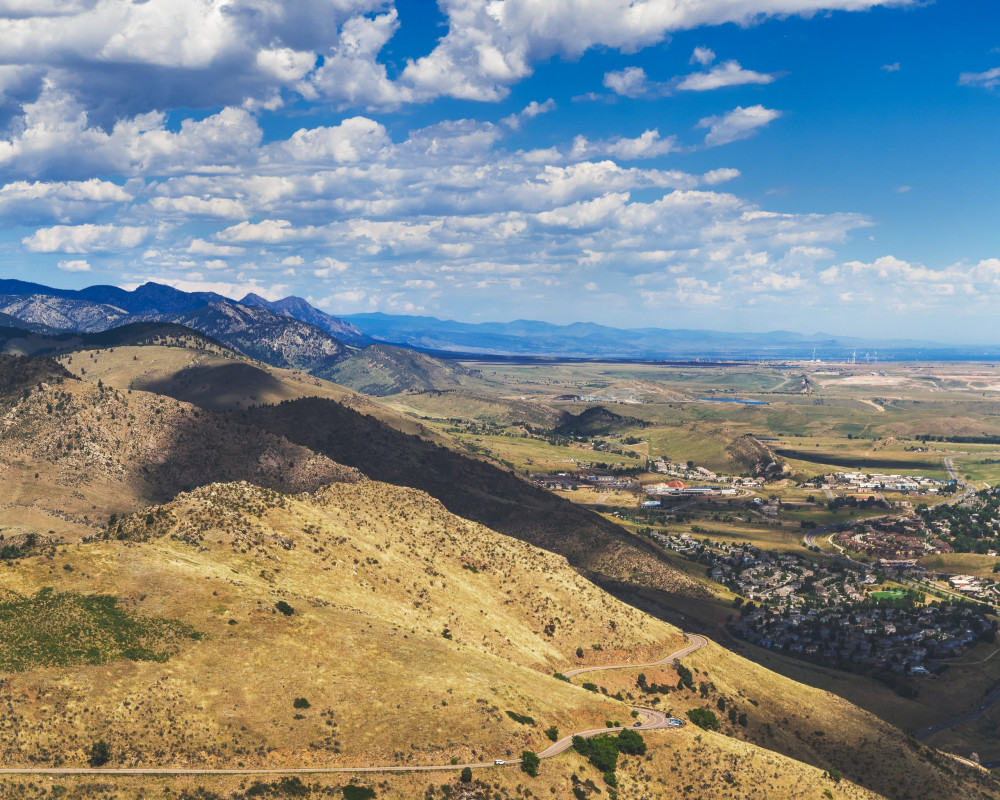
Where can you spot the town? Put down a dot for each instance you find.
(839, 611)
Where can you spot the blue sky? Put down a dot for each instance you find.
(811, 165)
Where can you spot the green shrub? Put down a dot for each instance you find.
(352, 792)
(529, 763)
(590, 687)
(601, 751)
(100, 753)
(631, 743)
(300, 702)
(552, 733)
(466, 775)
(560, 677)
(284, 608)
(703, 718)
(522, 718)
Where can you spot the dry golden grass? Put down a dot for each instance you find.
(376, 575)
(73, 453)
(221, 380)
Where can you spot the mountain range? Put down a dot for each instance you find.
(292, 333)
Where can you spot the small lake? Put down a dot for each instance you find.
(733, 400)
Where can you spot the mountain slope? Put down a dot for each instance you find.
(300, 309)
(409, 635)
(147, 298)
(255, 331)
(382, 370)
(62, 313)
(72, 453)
(375, 575)
(473, 489)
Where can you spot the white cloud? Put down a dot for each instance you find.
(23, 202)
(188, 206)
(630, 82)
(894, 67)
(84, 238)
(703, 56)
(200, 247)
(268, 231)
(353, 140)
(242, 287)
(530, 111)
(729, 73)
(490, 45)
(77, 265)
(325, 267)
(990, 79)
(740, 123)
(722, 175)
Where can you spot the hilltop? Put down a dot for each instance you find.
(74, 453)
(596, 421)
(255, 331)
(286, 333)
(384, 370)
(472, 488)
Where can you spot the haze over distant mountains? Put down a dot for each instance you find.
(293, 333)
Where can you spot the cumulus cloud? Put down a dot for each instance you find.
(703, 56)
(85, 238)
(23, 202)
(76, 265)
(200, 247)
(740, 123)
(530, 111)
(990, 79)
(632, 82)
(490, 45)
(729, 73)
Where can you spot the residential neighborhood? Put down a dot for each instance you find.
(836, 610)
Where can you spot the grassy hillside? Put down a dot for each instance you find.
(382, 369)
(72, 453)
(411, 633)
(436, 625)
(458, 404)
(219, 380)
(473, 489)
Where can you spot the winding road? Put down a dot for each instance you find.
(654, 720)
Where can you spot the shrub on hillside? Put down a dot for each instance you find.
(703, 718)
(100, 753)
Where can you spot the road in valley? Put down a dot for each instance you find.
(653, 720)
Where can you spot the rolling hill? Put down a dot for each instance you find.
(382, 370)
(73, 453)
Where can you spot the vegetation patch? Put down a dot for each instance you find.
(66, 629)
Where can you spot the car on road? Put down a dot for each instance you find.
(499, 762)
(673, 722)
(637, 725)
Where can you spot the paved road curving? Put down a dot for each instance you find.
(697, 642)
(654, 720)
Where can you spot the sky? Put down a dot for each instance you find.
(750, 165)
